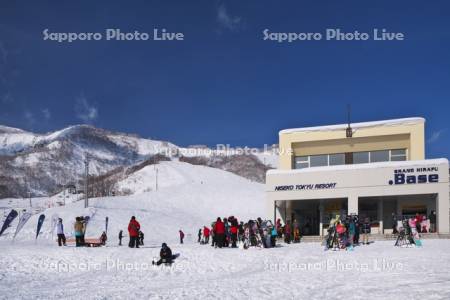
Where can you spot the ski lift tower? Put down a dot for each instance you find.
(86, 176)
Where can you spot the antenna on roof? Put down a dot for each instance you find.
(349, 130)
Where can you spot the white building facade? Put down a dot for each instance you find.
(377, 171)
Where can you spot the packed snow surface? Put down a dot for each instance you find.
(40, 270)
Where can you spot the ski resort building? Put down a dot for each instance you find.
(372, 169)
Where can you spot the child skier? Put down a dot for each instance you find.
(341, 230)
(206, 234)
(165, 255)
(120, 237)
(103, 238)
(181, 236)
(141, 238)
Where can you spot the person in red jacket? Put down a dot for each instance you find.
(206, 233)
(234, 233)
(133, 231)
(219, 232)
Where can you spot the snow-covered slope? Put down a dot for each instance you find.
(187, 198)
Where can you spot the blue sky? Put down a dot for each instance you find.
(224, 83)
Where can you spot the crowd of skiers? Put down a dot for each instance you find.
(420, 222)
(229, 232)
(345, 233)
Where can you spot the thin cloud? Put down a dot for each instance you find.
(435, 136)
(226, 20)
(85, 111)
(29, 118)
(46, 114)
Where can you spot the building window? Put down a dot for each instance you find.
(337, 159)
(398, 155)
(379, 156)
(318, 160)
(360, 157)
(301, 162)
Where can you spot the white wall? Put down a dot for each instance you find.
(367, 180)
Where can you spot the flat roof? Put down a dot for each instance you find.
(393, 122)
(388, 164)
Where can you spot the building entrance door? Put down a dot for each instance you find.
(308, 220)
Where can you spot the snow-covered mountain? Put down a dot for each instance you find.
(41, 164)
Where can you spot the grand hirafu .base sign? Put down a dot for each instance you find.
(415, 175)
